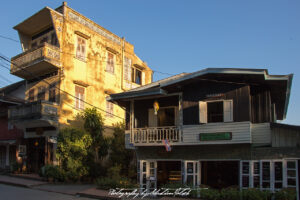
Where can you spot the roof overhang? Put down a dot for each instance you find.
(280, 85)
(39, 21)
(135, 94)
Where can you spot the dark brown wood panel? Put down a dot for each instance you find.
(260, 105)
(209, 90)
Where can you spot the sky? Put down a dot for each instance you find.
(175, 36)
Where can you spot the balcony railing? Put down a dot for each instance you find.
(155, 134)
(38, 60)
(34, 110)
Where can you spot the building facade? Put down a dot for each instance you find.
(69, 63)
(216, 127)
(10, 136)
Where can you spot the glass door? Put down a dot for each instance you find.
(147, 174)
(192, 173)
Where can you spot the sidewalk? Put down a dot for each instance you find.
(103, 194)
(21, 182)
(83, 190)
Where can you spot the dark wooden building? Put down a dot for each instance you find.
(221, 124)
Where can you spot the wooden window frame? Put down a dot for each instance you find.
(80, 97)
(203, 114)
(81, 49)
(31, 95)
(272, 180)
(52, 89)
(109, 109)
(110, 63)
(41, 93)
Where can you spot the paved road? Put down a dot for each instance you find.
(14, 193)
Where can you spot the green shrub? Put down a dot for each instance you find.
(109, 183)
(52, 172)
(256, 194)
(210, 194)
(230, 194)
(114, 172)
(106, 183)
(286, 194)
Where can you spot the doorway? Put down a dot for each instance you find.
(220, 174)
(35, 154)
(168, 172)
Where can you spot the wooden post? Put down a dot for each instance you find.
(7, 156)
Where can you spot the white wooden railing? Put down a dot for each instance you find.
(155, 134)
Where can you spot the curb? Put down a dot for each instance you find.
(26, 178)
(96, 196)
(14, 184)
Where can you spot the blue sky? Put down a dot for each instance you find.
(175, 36)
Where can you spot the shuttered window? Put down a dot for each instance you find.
(81, 48)
(109, 109)
(137, 76)
(110, 63)
(41, 93)
(215, 111)
(79, 93)
(52, 93)
(31, 95)
(127, 69)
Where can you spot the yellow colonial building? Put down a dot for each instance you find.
(69, 63)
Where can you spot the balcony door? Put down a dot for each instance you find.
(166, 116)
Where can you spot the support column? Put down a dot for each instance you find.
(7, 156)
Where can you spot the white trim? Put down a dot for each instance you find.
(272, 180)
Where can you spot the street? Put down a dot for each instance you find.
(14, 193)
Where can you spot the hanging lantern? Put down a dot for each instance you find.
(156, 107)
(36, 143)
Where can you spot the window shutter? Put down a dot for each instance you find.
(228, 111)
(152, 118)
(129, 72)
(202, 112)
(143, 78)
(127, 69)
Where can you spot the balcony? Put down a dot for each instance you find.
(155, 135)
(35, 62)
(34, 114)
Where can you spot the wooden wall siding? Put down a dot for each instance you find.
(217, 152)
(282, 137)
(260, 105)
(141, 108)
(240, 132)
(261, 133)
(193, 93)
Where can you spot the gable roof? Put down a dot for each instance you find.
(280, 84)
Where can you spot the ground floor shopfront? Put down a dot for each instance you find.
(7, 154)
(219, 167)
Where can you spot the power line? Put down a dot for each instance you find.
(5, 59)
(8, 38)
(7, 80)
(94, 59)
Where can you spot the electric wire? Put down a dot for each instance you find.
(34, 76)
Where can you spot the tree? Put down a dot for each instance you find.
(119, 154)
(72, 150)
(93, 124)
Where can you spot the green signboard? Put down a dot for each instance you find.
(215, 136)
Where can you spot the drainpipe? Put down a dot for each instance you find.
(122, 76)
